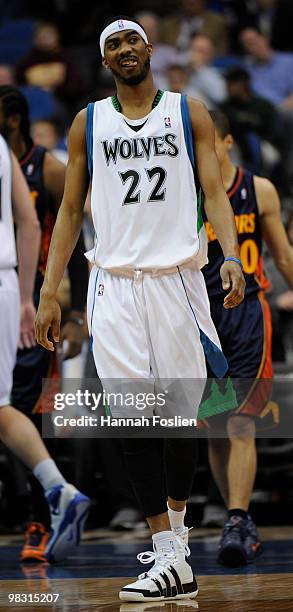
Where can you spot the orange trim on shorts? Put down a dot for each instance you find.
(45, 401)
(260, 394)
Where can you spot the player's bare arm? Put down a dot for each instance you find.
(28, 244)
(273, 229)
(65, 234)
(217, 205)
(72, 331)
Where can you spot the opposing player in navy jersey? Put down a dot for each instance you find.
(245, 335)
(147, 306)
(45, 177)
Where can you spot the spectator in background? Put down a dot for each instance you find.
(163, 55)
(192, 17)
(203, 78)
(271, 71)
(6, 75)
(177, 78)
(49, 134)
(252, 119)
(47, 66)
(178, 82)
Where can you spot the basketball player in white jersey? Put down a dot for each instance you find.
(16, 430)
(148, 310)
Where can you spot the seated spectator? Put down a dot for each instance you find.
(163, 55)
(192, 17)
(49, 134)
(252, 119)
(177, 82)
(203, 77)
(271, 71)
(47, 66)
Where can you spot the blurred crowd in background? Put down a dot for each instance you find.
(233, 55)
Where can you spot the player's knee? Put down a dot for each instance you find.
(241, 429)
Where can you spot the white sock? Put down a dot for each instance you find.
(164, 541)
(176, 518)
(48, 474)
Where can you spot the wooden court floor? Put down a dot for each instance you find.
(92, 577)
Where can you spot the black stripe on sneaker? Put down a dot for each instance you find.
(158, 584)
(190, 587)
(177, 580)
(168, 584)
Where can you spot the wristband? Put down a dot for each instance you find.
(238, 261)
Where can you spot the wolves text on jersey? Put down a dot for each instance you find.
(140, 147)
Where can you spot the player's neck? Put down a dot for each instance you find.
(136, 101)
(228, 172)
(18, 145)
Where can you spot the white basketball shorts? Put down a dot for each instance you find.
(9, 325)
(148, 327)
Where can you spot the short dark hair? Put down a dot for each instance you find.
(117, 18)
(237, 73)
(221, 122)
(13, 102)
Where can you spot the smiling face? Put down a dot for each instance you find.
(128, 57)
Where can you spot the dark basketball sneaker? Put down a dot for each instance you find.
(240, 543)
(170, 578)
(35, 542)
(252, 542)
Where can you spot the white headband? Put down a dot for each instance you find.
(119, 26)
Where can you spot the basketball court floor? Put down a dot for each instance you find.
(91, 578)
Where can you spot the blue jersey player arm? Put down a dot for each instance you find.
(217, 205)
(65, 234)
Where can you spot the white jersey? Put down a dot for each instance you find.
(144, 200)
(7, 239)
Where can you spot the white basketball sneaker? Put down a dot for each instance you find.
(182, 532)
(68, 509)
(170, 578)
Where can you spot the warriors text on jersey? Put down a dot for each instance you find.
(32, 165)
(144, 200)
(244, 204)
(7, 240)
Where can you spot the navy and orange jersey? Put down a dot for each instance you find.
(32, 164)
(243, 200)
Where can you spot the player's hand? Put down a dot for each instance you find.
(233, 279)
(48, 317)
(73, 334)
(27, 325)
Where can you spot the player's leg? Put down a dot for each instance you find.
(218, 452)
(180, 466)
(170, 576)
(240, 542)
(178, 359)
(68, 507)
(21, 436)
(242, 462)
